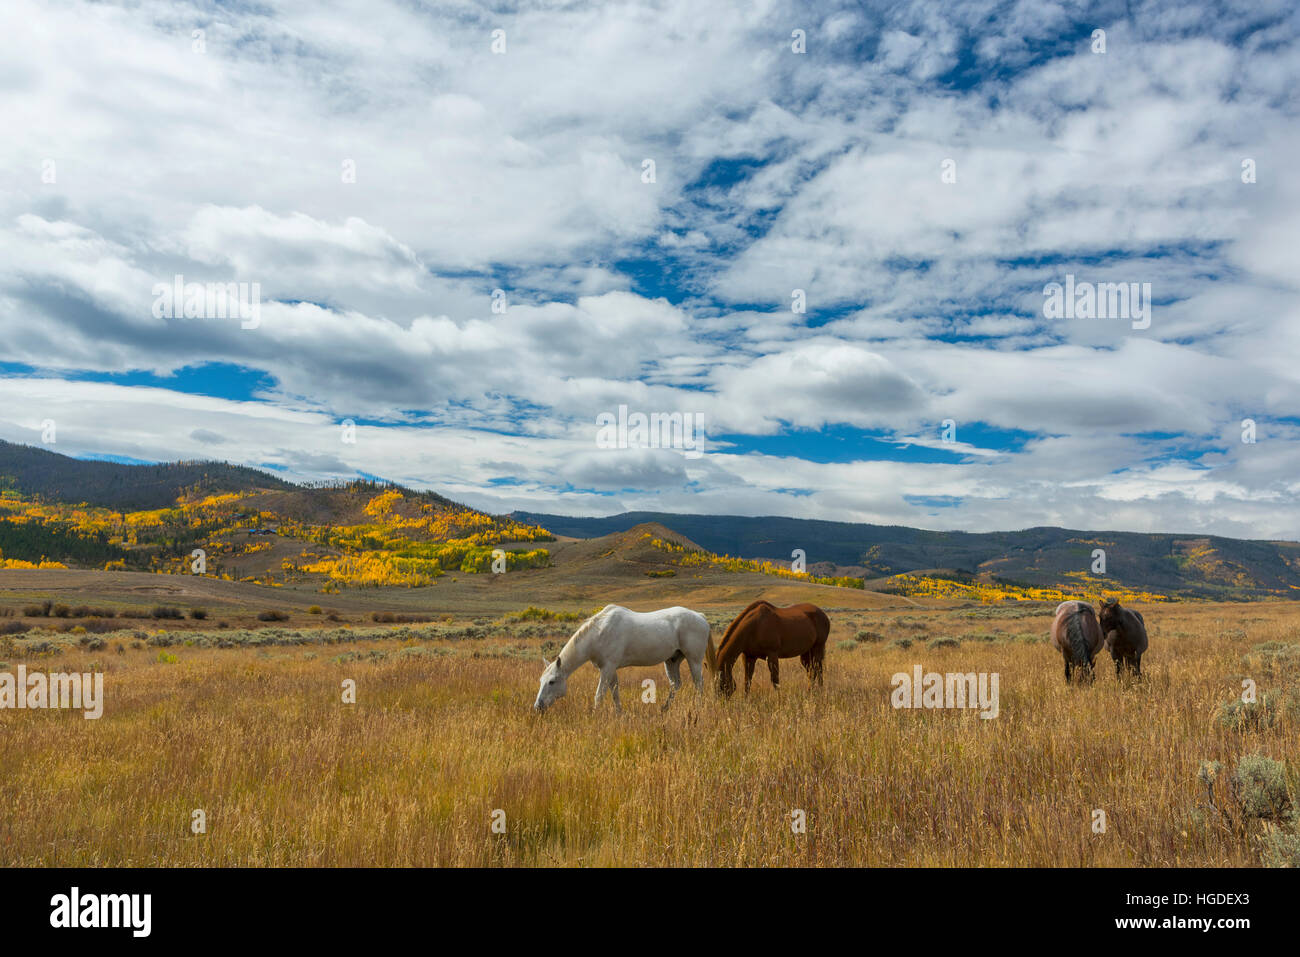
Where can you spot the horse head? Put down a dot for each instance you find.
(726, 682)
(552, 687)
(1108, 615)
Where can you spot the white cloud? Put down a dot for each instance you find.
(523, 172)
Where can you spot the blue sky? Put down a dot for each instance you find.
(917, 175)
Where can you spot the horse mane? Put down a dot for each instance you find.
(735, 622)
(582, 630)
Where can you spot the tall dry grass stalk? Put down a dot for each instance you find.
(287, 774)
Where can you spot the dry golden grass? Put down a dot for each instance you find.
(410, 775)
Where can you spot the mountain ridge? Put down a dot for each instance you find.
(400, 527)
(1193, 565)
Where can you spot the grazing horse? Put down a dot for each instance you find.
(1076, 635)
(764, 631)
(1126, 635)
(616, 638)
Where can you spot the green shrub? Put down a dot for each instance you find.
(1239, 715)
(1273, 658)
(1281, 848)
(1258, 785)
(912, 623)
(533, 613)
(88, 611)
(1269, 710)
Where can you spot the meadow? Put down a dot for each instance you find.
(250, 727)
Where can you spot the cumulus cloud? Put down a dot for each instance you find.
(462, 250)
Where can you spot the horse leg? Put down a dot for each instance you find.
(673, 668)
(774, 669)
(750, 662)
(601, 688)
(809, 666)
(613, 687)
(1069, 669)
(1137, 665)
(697, 672)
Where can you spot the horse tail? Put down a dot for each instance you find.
(711, 655)
(823, 625)
(1078, 640)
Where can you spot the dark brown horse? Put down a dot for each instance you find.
(1126, 636)
(1077, 636)
(765, 632)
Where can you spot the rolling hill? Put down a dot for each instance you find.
(256, 527)
(1169, 564)
(210, 518)
(59, 478)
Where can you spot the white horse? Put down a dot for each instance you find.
(616, 638)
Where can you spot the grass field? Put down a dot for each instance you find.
(442, 735)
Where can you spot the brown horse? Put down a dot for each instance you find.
(1076, 635)
(763, 631)
(1126, 636)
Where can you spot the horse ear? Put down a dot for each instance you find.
(557, 661)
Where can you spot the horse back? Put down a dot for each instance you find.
(1134, 630)
(1080, 615)
(821, 624)
(799, 628)
(763, 629)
